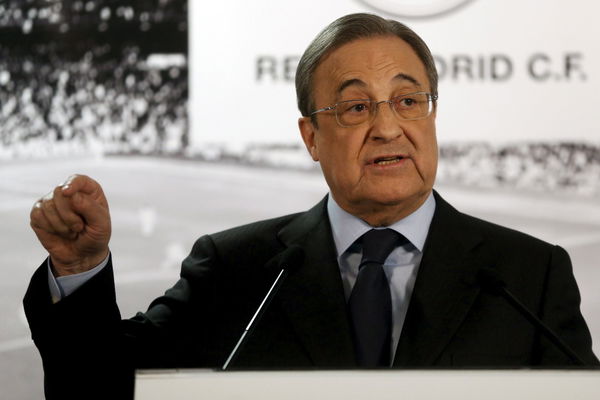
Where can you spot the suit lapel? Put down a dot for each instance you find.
(313, 296)
(445, 288)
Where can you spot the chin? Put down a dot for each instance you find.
(394, 196)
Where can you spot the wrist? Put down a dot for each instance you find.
(78, 266)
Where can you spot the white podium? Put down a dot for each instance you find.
(370, 385)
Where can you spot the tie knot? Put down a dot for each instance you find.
(377, 244)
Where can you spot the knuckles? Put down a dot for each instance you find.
(36, 210)
(41, 207)
(57, 191)
(37, 220)
(58, 204)
(34, 218)
(47, 204)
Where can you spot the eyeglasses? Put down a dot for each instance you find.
(408, 107)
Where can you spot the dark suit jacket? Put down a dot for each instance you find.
(451, 321)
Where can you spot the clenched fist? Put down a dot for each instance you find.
(72, 222)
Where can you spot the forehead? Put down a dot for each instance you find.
(371, 63)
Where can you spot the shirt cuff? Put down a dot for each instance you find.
(65, 285)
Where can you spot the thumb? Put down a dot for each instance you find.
(93, 210)
(80, 183)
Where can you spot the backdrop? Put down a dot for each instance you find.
(510, 70)
(101, 88)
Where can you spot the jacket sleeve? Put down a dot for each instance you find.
(77, 337)
(89, 352)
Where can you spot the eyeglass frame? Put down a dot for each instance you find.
(430, 99)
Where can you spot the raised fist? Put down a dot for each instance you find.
(73, 223)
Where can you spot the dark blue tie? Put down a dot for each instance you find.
(370, 302)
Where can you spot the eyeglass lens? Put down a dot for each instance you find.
(354, 112)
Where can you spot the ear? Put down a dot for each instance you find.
(308, 131)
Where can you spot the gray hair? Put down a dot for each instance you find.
(347, 29)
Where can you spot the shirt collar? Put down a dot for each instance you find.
(346, 228)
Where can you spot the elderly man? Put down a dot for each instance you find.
(390, 272)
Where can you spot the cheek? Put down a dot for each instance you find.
(431, 156)
(340, 159)
(425, 143)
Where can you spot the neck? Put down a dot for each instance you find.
(380, 215)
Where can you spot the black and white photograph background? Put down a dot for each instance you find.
(92, 76)
(188, 140)
(81, 82)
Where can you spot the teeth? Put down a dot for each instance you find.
(387, 161)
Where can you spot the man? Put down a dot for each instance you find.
(367, 91)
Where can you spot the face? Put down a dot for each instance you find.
(380, 171)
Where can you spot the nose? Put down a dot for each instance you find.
(385, 125)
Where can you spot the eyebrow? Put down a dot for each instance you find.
(357, 82)
(406, 77)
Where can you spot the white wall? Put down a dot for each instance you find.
(230, 104)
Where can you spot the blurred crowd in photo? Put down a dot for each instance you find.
(559, 167)
(81, 76)
(569, 168)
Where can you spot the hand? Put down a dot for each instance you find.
(72, 222)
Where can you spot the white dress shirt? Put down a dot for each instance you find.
(65, 285)
(400, 267)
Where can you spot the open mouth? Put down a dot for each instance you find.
(388, 160)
